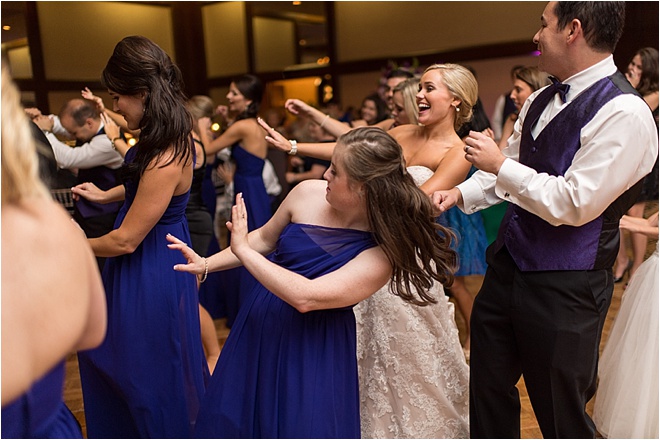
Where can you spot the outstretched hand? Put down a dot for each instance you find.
(445, 200)
(88, 191)
(298, 107)
(274, 137)
(195, 264)
(238, 226)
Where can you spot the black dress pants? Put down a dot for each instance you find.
(545, 326)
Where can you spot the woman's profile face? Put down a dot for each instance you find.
(131, 107)
(634, 73)
(520, 93)
(237, 102)
(398, 110)
(369, 112)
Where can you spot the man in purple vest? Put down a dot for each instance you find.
(94, 158)
(571, 169)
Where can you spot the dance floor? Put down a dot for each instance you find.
(529, 426)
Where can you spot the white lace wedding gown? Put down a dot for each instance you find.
(413, 375)
(627, 398)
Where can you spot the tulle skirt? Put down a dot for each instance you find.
(627, 398)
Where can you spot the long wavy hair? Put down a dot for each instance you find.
(400, 214)
(648, 82)
(138, 65)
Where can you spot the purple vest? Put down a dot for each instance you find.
(103, 177)
(536, 245)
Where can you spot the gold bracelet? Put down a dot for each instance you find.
(206, 271)
(118, 138)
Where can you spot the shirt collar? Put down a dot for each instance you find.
(584, 79)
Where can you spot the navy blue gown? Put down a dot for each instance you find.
(282, 373)
(147, 378)
(41, 412)
(248, 180)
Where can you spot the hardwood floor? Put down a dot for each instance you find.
(529, 426)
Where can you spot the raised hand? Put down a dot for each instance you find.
(274, 137)
(195, 264)
(87, 94)
(111, 128)
(239, 226)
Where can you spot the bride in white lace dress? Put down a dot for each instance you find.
(414, 380)
(413, 374)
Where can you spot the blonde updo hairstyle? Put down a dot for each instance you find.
(400, 214)
(463, 85)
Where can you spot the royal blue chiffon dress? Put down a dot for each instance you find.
(147, 378)
(41, 412)
(248, 180)
(282, 373)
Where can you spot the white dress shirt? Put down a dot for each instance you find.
(98, 151)
(618, 148)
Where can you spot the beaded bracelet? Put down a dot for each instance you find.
(206, 271)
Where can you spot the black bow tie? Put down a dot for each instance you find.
(560, 88)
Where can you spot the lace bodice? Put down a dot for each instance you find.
(412, 371)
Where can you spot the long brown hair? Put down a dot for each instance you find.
(400, 214)
(138, 65)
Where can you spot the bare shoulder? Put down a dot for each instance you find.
(306, 201)
(47, 266)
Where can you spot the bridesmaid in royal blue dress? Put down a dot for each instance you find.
(147, 378)
(248, 150)
(289, 368)
(52, 295)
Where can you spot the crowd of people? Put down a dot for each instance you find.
(340, 279)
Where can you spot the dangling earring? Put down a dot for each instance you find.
(457, 109)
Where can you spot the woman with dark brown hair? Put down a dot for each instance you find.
(147, 378)
(288, 368)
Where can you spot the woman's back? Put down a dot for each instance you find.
(52, 296)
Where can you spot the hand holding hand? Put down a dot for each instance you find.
(275, 138)
(483, 152)
(444, 200)
(195, 264)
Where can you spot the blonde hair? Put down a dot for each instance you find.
(463, 85)
(409, 89)
(20, 163)
(201, 106)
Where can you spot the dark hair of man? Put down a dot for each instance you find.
(138, 65)
(396, 207)
(253, 89)
(648, 82)
(602, 21)
(80, 110)
(399, 73)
